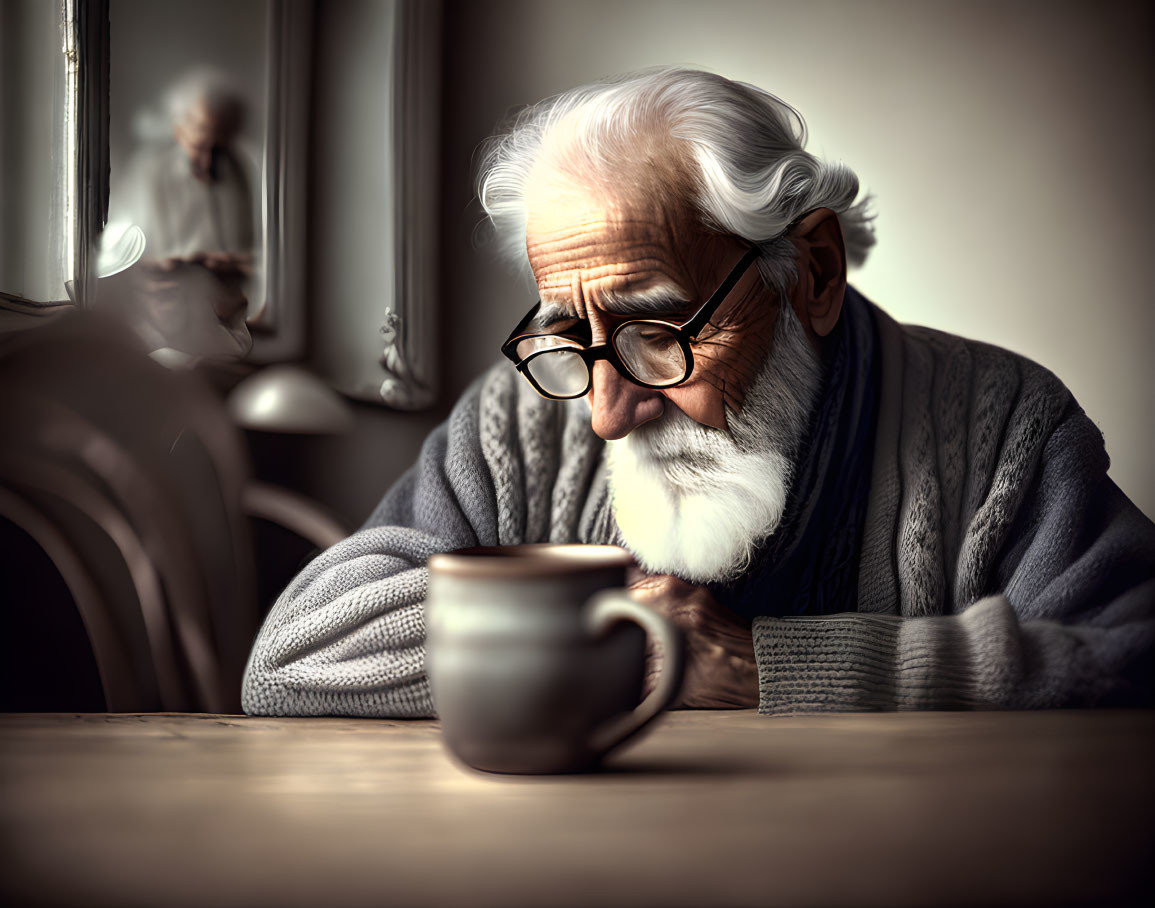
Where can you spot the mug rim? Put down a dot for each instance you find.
(543, 559)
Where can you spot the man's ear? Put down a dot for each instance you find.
(817, 295)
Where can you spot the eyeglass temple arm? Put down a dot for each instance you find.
(507, 347)
(703, 315)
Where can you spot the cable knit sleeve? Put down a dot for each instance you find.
(347, 636)
(1079, 636)
(1002, 568)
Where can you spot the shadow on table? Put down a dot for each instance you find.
(628, 766)
(713, 766)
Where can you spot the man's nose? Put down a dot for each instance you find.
(617, 405)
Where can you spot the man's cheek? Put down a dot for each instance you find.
(719, 383)
(731, 367)
(702, 401)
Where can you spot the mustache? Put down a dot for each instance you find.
(674, 434)
(684, 453)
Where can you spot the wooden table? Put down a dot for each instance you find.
(711, 808)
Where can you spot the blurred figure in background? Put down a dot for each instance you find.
(192, 198)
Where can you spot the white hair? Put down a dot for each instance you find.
(743, 148)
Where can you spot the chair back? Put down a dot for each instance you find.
(131, 478)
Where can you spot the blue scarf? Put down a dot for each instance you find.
(809, 565)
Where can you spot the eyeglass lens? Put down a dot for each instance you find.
(650, 352)
(561, 372)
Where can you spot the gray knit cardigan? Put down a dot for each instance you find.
(1000, 567)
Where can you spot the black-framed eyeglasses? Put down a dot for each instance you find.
(650, 352)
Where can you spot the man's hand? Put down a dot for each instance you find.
(213, 278)
(225, 264)
(720, 669)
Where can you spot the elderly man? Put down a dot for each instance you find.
(192, 199)
(840, 512)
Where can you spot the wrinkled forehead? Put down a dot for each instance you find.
(613, 239)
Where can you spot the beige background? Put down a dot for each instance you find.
(1009, 147)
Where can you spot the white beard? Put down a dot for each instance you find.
(697, 502)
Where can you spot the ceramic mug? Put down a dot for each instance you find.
(536, 654)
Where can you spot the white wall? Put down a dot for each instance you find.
(1009, 147)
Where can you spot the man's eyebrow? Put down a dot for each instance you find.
(548, 313)
(657, 299)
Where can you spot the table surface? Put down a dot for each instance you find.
(710, 808)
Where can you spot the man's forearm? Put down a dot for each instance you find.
(348, 636)
(983, 658)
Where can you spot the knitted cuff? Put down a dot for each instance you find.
(856, 662)
(838, 663)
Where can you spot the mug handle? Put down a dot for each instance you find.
(603, 611)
